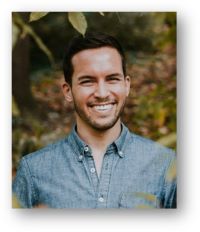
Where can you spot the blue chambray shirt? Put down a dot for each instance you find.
(136, 173)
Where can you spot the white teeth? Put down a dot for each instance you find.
(103, 107)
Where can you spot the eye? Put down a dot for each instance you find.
(87, 82)
(114, 79)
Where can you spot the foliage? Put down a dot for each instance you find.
(19, 24)
(15, 34)
(171, 172)
(15, 202)
(149, 41)
(34, 16)
(151, 109)
(78, 21)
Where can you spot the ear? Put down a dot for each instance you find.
(67, 92)
(128, 84)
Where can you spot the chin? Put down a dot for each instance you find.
(103, 126)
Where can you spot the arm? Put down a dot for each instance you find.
(23, 187)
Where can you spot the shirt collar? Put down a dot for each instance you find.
(82, 149)
(121, 141)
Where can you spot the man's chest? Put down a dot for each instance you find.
(79, 186)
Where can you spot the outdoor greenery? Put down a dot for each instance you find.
(40, 113)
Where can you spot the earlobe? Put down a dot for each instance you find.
(67, 92)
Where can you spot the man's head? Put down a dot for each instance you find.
(94, 69)
(89, 41)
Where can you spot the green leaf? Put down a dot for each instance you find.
(168, 139)
(27, 29)
(36, 16)
(15, 109)
(78, 21)
(15, 202)
(171, 172)
(146, 196)
(143, 206)
(15, 34)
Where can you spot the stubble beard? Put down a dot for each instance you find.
(95, 125)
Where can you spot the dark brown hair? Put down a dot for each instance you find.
(89, 41)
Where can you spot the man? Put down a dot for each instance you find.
(100, 164)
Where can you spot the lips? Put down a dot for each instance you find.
(102, 107)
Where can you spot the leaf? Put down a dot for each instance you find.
(34, 16)
(162, 113)
(146, 196)
(15, 34)
(15, 202)
(143, 206)
(27, 29)
(78, 21)
(171, 172)
(168, 139)
(15, 109)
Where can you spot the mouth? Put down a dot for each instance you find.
(103, 107)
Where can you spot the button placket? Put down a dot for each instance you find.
(80, 158)
(104, 180)
(92, 170)
(101, 199)
(86, 148)
(121, 153)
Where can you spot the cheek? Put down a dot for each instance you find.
(82, 94)
(119, 91)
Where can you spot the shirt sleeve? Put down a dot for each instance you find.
(170, 188)
(22, 187)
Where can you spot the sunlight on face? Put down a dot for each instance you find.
(99, 88)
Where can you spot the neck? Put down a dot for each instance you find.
(96, 139)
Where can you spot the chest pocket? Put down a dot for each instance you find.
(139, 200)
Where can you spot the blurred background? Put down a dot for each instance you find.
(40, 113)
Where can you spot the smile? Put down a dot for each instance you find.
(103, 107)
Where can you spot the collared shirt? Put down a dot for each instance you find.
(136, 173)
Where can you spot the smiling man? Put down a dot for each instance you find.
(101, 164)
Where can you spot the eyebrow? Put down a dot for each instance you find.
(93, 77)
(115, 74)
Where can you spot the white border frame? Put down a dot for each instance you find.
(187, 214)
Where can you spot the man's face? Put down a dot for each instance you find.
(99, 88)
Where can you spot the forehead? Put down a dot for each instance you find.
(98, 59)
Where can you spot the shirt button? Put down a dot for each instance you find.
(120, 152)
(80, 157)
(86, 149)
(101, 199)
(92, 170)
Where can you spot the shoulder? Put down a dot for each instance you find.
(149, 147)
(48, 152)
(151, 156)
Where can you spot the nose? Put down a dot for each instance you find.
(101, 90)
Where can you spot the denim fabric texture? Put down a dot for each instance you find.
(135, 174)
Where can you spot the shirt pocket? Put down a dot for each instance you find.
(139, 200)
